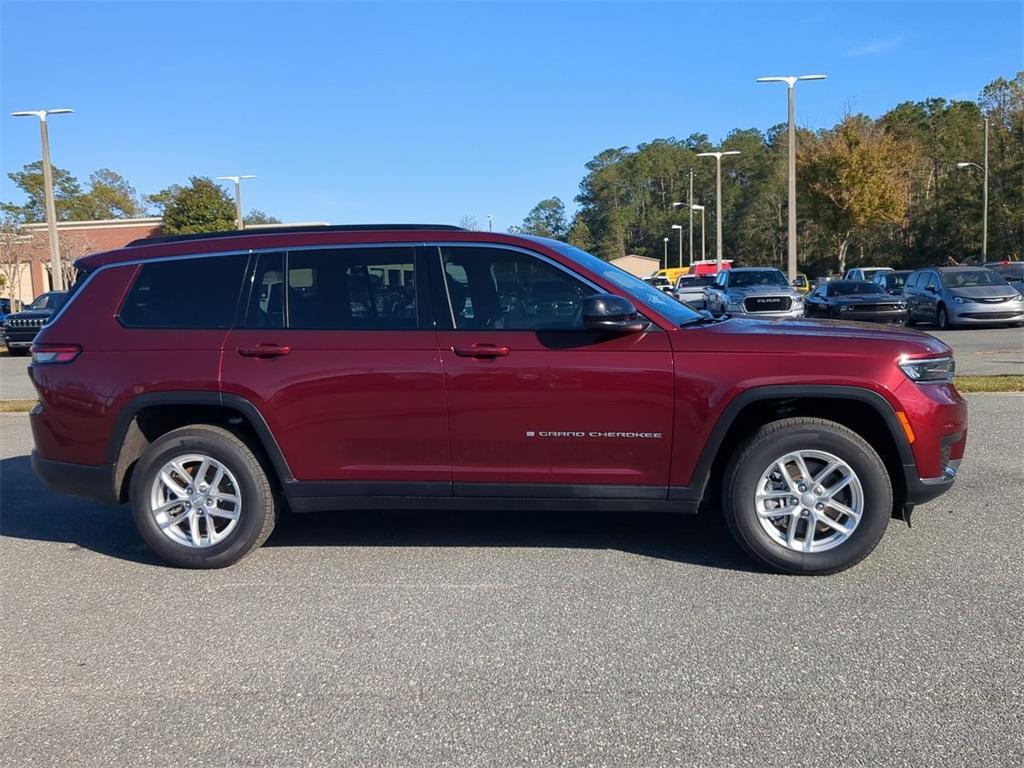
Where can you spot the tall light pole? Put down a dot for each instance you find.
(666, 252)
(791, 81)
(239, 222)
(984, 196)
(680, 228)
(703, 239)
(490, 223)
(56, 273)
(718, 199)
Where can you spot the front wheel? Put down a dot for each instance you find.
(942, 319)
(807, 496)
(201, 499)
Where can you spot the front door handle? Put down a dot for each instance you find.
(481, 350)
(265, 350)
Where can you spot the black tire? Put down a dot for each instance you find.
(766, 445)
(942, 319)
(19, 352)
(258, 512)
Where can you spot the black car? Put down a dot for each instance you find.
(20, 328)
(856, 300)
(892, 281)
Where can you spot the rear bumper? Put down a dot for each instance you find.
(88, 481)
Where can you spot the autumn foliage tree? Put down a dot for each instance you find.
(854, 178)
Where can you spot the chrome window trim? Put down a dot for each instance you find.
(411, 244)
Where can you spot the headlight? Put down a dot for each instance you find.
(901, 305)
(734, 303)
(962, 300)
(1018, 297)
(933, 370)
(846, 308)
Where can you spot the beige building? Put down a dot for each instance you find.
(639, 266)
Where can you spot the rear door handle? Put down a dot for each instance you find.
(264, 350)
(481, 350)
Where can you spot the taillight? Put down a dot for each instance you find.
(43, 354)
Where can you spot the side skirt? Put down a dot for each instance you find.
(319, 496)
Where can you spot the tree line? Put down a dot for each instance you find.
(202, 205)
(869, 191)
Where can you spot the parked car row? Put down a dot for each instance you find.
(945, 296)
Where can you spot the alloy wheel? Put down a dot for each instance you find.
(809, 501)
(195, 500)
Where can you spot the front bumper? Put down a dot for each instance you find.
(16, 338)
(986, 314)
(897, 316)
(797, 311)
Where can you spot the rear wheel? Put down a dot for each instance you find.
(201, 499)
(807, 496)
(19, 352)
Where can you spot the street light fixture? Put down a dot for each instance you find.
(239, 222)
(984, 196)
(791, 81)
(56, 273)
(490, 222)
(666, 252)
(718, 199)
(703, 239)
(680, 228)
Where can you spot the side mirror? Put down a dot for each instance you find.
(608, 313)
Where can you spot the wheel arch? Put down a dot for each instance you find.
(866, 412)
(146, 417)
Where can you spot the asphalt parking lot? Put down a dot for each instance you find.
(979, 351)
(422, 639)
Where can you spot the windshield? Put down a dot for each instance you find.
(48, 301)
(1014, 271)
(895, 281)
(695, 281)
(972, 279)
(739, 279)
(852, 287)
(668, 307)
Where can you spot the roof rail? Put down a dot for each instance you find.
(283, 230)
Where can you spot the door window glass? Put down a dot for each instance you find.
(351, 289)
(500, 289)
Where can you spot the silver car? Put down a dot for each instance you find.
(689, 289)
(754, 292)
(962, 296)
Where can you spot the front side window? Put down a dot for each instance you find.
(195, 293)
(500, 289)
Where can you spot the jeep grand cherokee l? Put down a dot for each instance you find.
(214, 381)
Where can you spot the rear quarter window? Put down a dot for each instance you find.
(185, 293)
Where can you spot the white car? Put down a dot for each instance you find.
(865, 273)
(689, 289)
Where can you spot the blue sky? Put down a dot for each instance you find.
(377, 112)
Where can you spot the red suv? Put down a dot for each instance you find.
(213, 381)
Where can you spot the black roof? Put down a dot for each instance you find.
(285, 229)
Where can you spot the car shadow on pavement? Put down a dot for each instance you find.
(28, 511)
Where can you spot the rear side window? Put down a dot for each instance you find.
(185, 293)
(348, 289)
